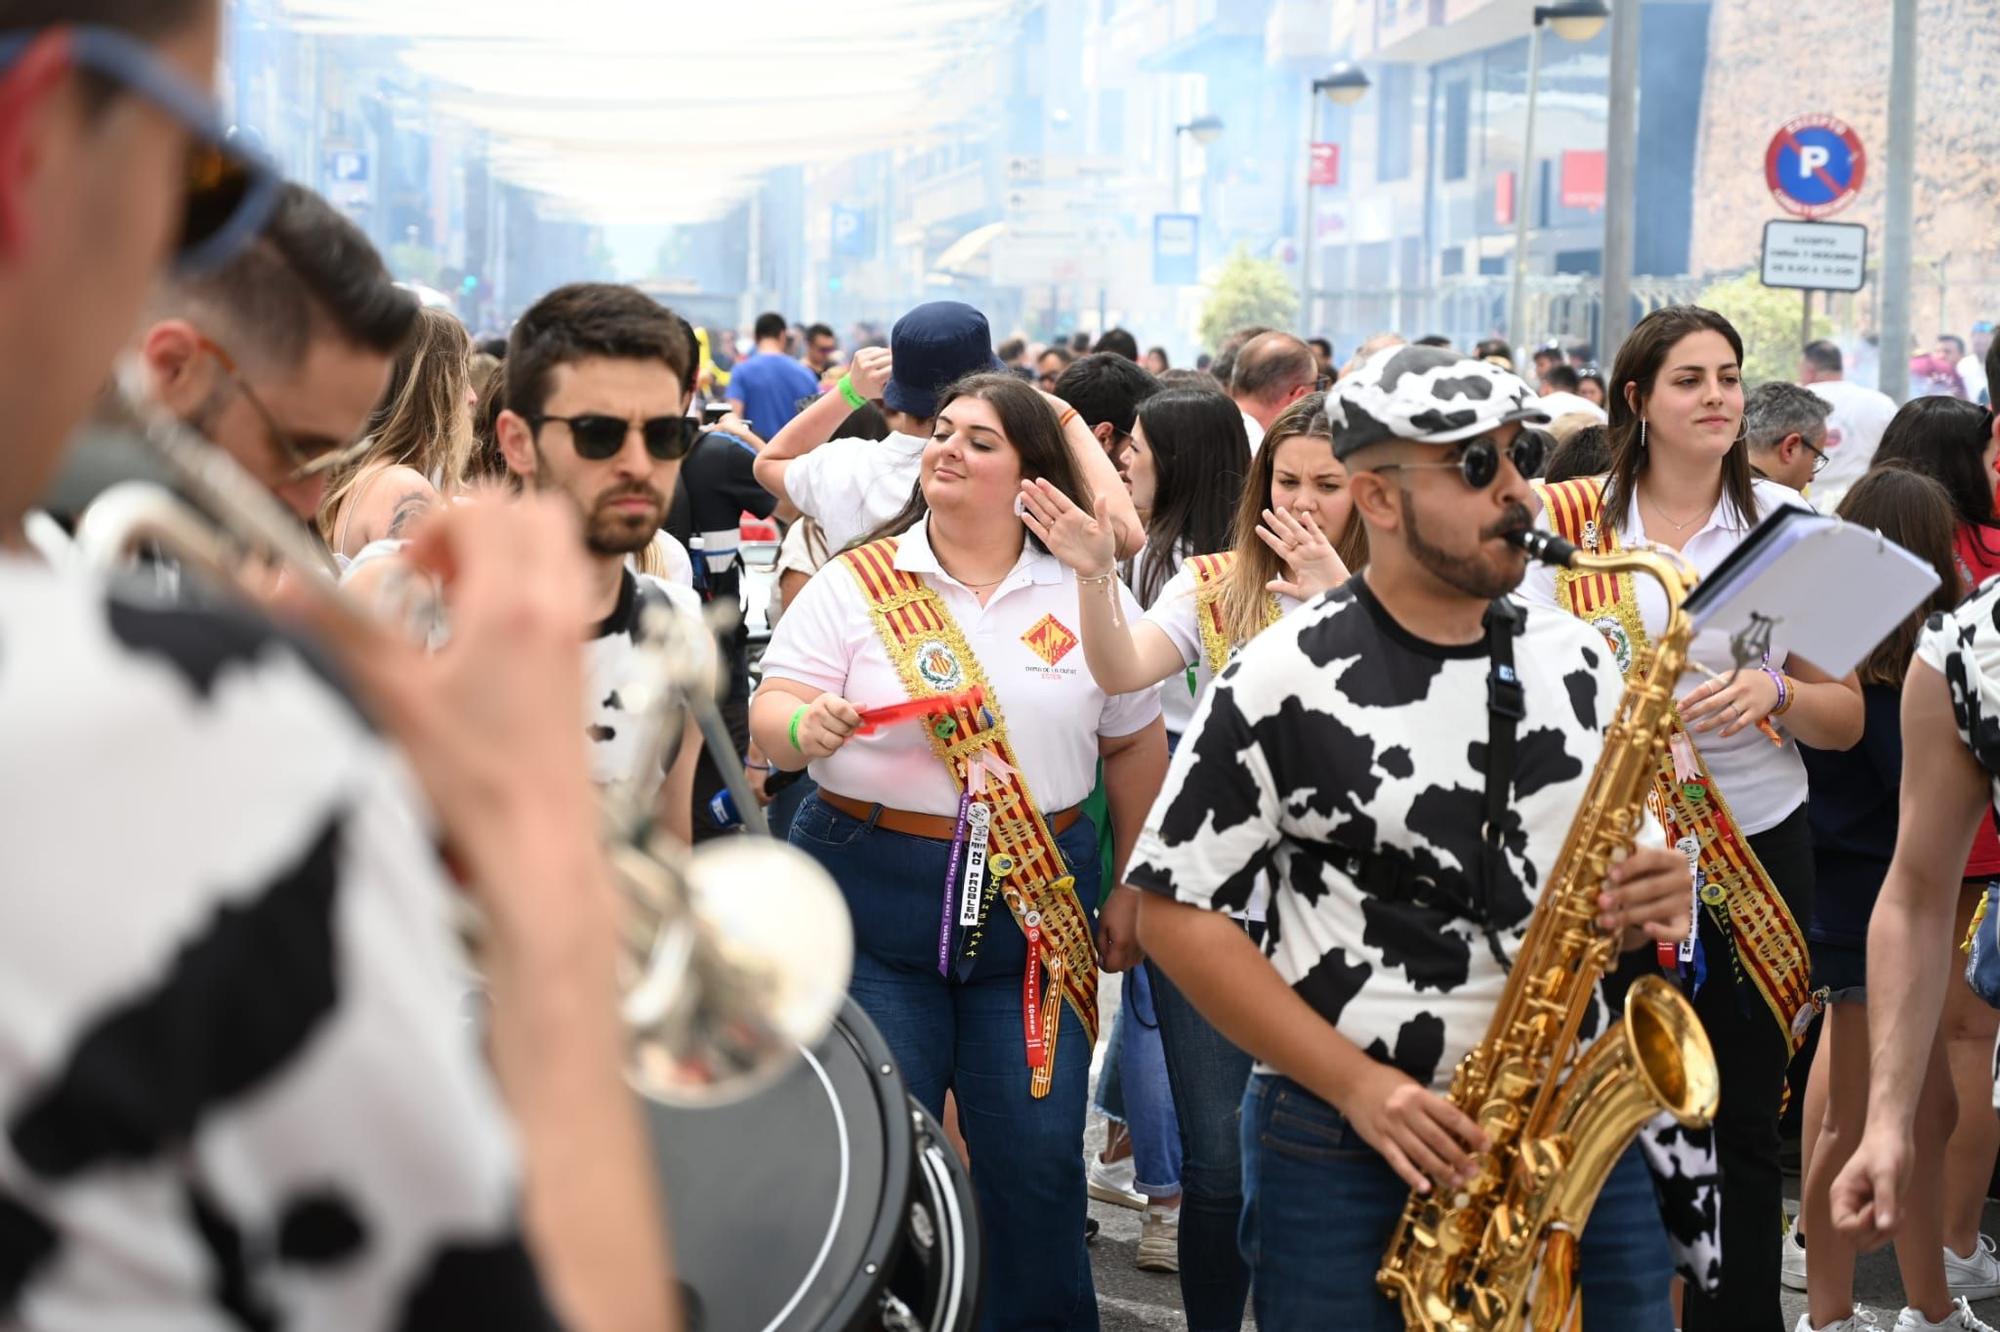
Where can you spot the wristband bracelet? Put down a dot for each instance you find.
(851, 393)
(758, 767)
(1785, 695)
(1062, 422)
(797, 717)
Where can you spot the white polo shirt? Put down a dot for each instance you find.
(1175, 613)
(1763, 782)
(1025, 638)
(853, 486)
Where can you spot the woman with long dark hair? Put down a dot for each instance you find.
(1952, 442)
(956, 836)
(1276, 556)
(1733, 799)
(1854, 819)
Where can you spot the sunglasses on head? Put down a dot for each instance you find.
(597, 437)
(1478, 460)
(230, 189)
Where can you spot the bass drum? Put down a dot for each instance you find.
(829, 1201)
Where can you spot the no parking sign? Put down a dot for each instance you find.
(1815, 166)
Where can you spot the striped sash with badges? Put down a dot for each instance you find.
(1211, 578)
(1729, 880)
(1022, 865)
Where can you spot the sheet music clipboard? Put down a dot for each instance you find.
(1832, 590)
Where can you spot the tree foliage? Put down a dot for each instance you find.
(1766, 318)
(1246, 291)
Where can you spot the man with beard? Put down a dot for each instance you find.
(597, 413)
(1355, 752)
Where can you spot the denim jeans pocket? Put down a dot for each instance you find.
(821, 823)
(1305, 1128)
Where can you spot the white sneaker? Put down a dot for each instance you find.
(1111, 1182)
(1792, 1258)
(1976, 1277)
(1858, 1321)
(1960, 1319)
(1160, 1240)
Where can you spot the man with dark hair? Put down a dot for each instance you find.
(1433, 340)
(767, 387)
(1079, 343)
(822, 348)
(1854, 425)
(1559, 378)
(279, 355)
(1548, 354)
(1494, 350)
(1786, 429)
(1106, 389)
(1323, 350)
(1560, 397)
(238, 1088)
(1050, 365)
(1273, 371)
(1119, 342)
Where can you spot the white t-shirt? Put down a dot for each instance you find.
(232, 1051)
(1025, 637)
(1336, 732)
(1255, 430)
(1175, 613)
(674, 558)
(1853, 431)
(1762, 782)
(1560, 404)
(853, 486)
(1972, 373)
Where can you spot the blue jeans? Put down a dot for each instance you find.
(966, 1037)
(1207, 1075)
(1319, 1206)
(1132, 1088)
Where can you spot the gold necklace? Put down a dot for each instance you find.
(1678, 527)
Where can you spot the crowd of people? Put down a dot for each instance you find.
(1240, 688)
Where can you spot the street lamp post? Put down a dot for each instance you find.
(1344, 86)
(1578, 21)
(1204, 130)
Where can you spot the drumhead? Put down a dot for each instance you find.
(938, 1273)
(787, 1208)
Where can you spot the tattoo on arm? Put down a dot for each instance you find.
(410, 506)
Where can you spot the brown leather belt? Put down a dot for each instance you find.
(934, 826)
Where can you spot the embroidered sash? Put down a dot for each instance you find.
(1731, 883)
(932, 657)
(1211, 579)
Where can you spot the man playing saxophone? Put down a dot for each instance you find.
(1404, 758)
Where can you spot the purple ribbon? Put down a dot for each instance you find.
(951, 884)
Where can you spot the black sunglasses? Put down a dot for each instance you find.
(599, 437)
(1479, 461)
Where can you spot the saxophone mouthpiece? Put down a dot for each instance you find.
(1547, 548)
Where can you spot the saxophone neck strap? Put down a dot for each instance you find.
(1506, 705)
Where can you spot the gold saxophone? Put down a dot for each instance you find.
(1501, 1250)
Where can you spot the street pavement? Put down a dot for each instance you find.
(1129, 1299)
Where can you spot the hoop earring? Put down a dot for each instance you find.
(1642, 432)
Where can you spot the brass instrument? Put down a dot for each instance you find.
(736, 955)
(1501, 1250)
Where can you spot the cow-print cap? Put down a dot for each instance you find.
(1431, 394)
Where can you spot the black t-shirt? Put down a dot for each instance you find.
(717, 486)
(1853, 813)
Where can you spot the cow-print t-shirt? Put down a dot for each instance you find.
(614, 664)
(236, 1088)
(1964, 647)
(1337, 731)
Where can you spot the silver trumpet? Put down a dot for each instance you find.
(736, 955)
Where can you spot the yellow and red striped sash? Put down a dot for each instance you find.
(1211, 579)
(1734, 885)
(932, 657)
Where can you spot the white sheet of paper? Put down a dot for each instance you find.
(1828, 590)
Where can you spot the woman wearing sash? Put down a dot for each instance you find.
(955, 835)
(1213, 605)
(1732, 788)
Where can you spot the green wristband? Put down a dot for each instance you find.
(798, 716)
(851, 393)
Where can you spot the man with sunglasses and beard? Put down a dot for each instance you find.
(236, 1085)
(1352, 753)
(597, 414)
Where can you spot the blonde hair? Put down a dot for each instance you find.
(423, 421)
(1245, 594)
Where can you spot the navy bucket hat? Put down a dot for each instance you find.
(931, 346)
